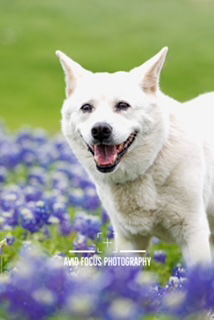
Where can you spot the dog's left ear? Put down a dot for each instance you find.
(149, 73)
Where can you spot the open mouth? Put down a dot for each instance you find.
(108, 156)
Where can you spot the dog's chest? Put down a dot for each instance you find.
(137, 204)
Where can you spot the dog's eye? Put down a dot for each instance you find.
(87, 107)
(122, 105)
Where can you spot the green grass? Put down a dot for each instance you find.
(101, 35)
(58, 244)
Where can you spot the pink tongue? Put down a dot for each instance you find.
(105, 155)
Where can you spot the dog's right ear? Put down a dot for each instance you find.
(73, 72)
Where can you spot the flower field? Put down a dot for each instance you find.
(48, 210)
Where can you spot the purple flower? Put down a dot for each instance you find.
(28, 220)
(160, 256)
(66, 227)
(38, 287)
(81, 243)
(3, 175)
(37, 176)
(199, 289)
(179, 272)
(10, 240)
(87, 225)
(32, 193)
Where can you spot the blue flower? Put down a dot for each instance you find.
(10, 240)
(38, 287)
(3, 174)
(160, 256)
(87, 225)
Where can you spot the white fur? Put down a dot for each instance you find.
(164, 185)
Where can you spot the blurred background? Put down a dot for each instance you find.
(102, 36)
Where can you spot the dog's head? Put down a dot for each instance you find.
(109, 114)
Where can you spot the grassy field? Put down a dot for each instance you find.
(101, 35)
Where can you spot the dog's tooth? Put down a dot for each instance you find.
(121, 147)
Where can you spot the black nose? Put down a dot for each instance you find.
(101, 131)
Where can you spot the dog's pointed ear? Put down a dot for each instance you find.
(73, 71)
(149, 72)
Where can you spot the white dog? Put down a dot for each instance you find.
(151, 157)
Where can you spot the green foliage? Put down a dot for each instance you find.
(101, 35)
(11, 253)
(164, 271)
(58, 244)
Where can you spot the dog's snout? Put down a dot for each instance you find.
(101, 131)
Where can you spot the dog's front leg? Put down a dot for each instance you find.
(122, 244)
(196, 245)
(130, 243)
